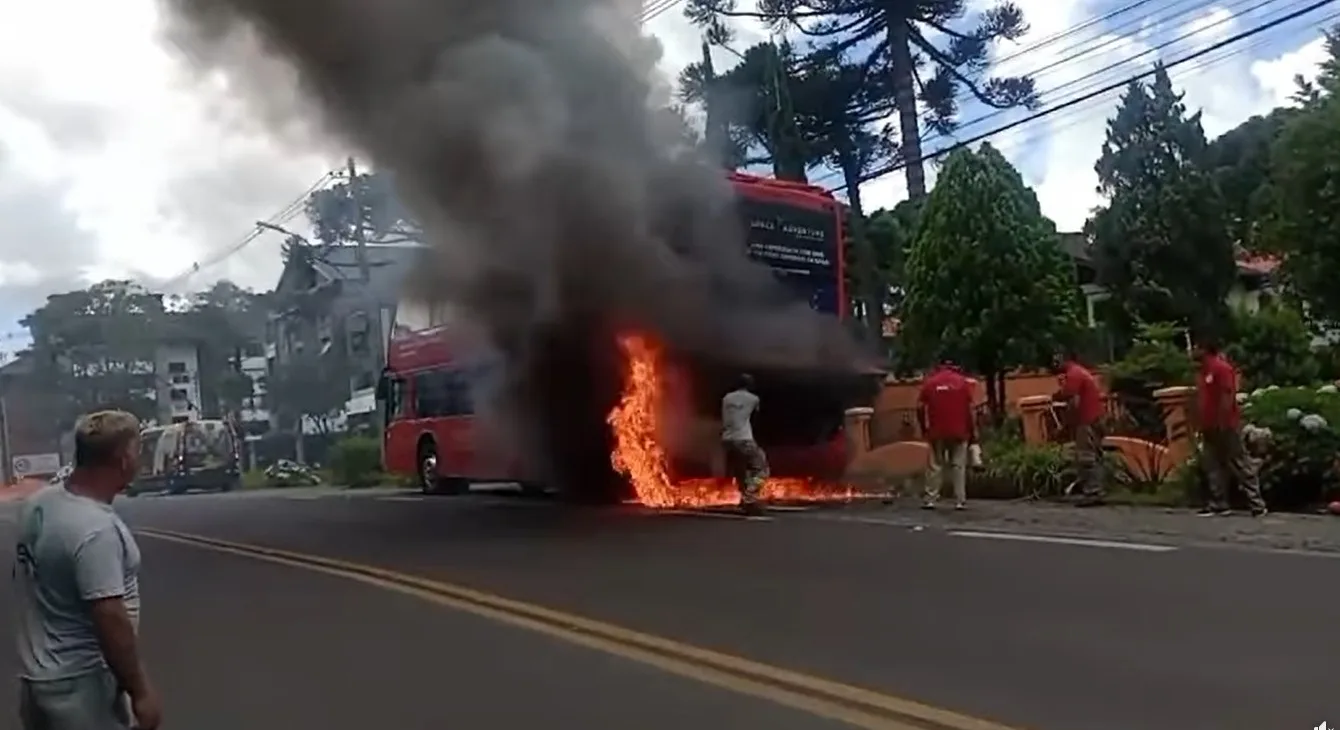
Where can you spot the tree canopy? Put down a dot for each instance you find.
(987, 283)
(96, 346)
(1162, 244)
(1304, 223)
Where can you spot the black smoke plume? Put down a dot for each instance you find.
(559, 210)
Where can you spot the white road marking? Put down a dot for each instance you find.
(1080, 541)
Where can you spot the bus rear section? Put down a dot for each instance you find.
(797, 231)
(432, 430)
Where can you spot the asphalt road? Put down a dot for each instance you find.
(1047, 636)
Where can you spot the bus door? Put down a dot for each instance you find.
(400, 433)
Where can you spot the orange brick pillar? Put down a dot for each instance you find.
(1033, 411)
(856, 426)
(1175, 403)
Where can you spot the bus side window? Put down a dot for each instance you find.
(458, 393)
(429, 401)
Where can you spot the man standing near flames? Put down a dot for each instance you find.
(745, 461)
(945, 414)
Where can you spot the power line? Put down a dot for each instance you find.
(284, 215)
(1151, 51)
(1237, 37)
(1088, 49)
(1176, 75)
(655, 8)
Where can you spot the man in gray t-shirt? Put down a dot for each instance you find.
(76, 584)
(745, 461)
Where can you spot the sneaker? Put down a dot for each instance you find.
(1214, 512)
(960, 506)
(752, 509)
(928, 505)
(1260, 512)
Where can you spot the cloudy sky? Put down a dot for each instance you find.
(115, 162)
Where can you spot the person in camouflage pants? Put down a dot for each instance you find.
(745, 460)
(1226, 459)
(1080, 392)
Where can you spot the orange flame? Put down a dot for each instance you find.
(641, 458)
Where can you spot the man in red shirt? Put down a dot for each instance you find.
(1084, 401)
(945, 413)
(1226, 460)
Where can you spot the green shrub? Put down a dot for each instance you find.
(1298, 463)
(1273, 347)
(1013, 470)
(254, 479)
(1155, 361)
(356, 461)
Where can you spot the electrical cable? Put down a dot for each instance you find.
(1153, 51)
(284, 215)
(1044, 113)
(1177, 75)
(655, 8)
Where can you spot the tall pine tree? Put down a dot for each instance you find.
(1162, 246)
(889, 39)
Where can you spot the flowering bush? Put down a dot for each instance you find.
(1295, 432)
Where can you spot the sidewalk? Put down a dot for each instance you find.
(1319, 533)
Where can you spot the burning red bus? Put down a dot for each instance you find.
(795, 229)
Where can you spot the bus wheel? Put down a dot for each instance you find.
(430, 480)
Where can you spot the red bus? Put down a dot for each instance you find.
(431, 381)
(794, 229)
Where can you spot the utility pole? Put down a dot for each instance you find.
(360, 238)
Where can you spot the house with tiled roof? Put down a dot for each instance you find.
(1253, 289)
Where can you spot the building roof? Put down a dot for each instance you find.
(1077, 246)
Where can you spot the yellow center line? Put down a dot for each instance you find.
(852, 705)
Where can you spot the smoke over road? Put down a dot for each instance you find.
(557, 208)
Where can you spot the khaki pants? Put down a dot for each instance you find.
(88, 702)
(949, 463)
(748, 466)
(1226, 464)
(1089, 460)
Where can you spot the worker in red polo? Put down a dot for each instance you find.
(945, 413)
(1226, 459)
(1084, 400)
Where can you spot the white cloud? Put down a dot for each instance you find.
(157, 172)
